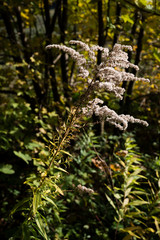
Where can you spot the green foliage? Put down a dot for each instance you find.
(84, 211)
(132, 196)
(48, 205)
(125, 198)
(7, 169)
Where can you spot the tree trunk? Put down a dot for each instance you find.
(49, 26)
(133, 31)
(117, 23)
(100, 29)
(108, 16)
(137, 60)
(62, 20)
(21, 34)
(5, 13)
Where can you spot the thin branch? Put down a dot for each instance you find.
(8, 92)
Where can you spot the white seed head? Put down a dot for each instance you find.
(106, 76)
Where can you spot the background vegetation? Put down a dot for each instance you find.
(37, 91)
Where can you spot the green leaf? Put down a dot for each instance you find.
(50, 201)
(126, 18)
(138, 202)
(58, 189)
(142, 192)
(36, 201)
(156, 54)
(60, 169)
(143, 2)
(23, 156)
(32, 145)
(56, 214)
(127, 192)
(67, 153)
(130, 181)
(137, 171)
(117, 196)
(125, 202)
(150, 230)
(133, 234)
(25, 232)
(18, 205)
(112, 203)
(129, 230)
(6, 169)
(40, 225)
(128, 237)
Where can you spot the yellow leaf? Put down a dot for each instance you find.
(24, 16)
(58, 189)
(126, 18)
(32, 59)
(122, 153)
(125, 202)
(42, 130)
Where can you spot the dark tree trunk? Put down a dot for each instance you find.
(62, 20)
(5, 14)
(47, 21)
(137, 60)
(21, 34)
(101, 39)
(100, 29)
(108, 16)
(117, 23)
(133, 31)
(49, 26)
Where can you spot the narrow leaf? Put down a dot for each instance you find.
(112, 204)
(65, 152)
(36, 201)
(58, 189)
(127, 192)
(60, 169)
(18, 205)
(138, 202)
(128, 237)
(50, 201)
(40, 225)
(125, 202)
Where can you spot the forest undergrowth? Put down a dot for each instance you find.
(88, 186)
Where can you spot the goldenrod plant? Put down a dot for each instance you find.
(45, 183)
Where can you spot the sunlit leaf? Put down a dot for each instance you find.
(50, 201)
(138, 203)
(23, 156)
(127, 192)
(125, 202)
(126, 18)
(6, 169)
(40, 225)
(58, 189)
(60, 169)
(19, 204)
(65, 152)
(36, 201)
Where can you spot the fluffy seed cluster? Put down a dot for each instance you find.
(83, 189)
(107, 76)
(105, 113)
